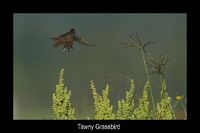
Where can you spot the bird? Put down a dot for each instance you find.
(67, 39)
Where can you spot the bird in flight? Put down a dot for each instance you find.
(67, 39)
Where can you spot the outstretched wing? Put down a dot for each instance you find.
(57, 41)
(65, 34)
(82, 41)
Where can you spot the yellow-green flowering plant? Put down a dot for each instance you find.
(125, 106)
(103, 108)
(142, 111)
(62, 108)
(164, 109)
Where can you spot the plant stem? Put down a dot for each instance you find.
(175, 105)
(184, 110)
(145, 65)
(161, 79)
(172, 112)
(147, 74)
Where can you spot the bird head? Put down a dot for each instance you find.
(72, 30)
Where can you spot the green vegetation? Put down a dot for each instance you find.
(62, 108)
(125, 107)
(142, 112)
(103, 109)
(135, 41)
(164, 108)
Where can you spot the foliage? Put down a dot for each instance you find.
(142, 112)
(103, 108)
(125, 107)
(135, 41)
(62, 108)
(164, 109)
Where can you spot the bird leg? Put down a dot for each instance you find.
(64, 48)
(68, 48)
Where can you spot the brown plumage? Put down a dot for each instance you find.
(67, 39)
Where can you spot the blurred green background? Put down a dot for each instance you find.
(37, 64)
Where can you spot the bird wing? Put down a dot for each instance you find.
(57, 41)
(63, 35)
(82, 41)
(59, 37)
